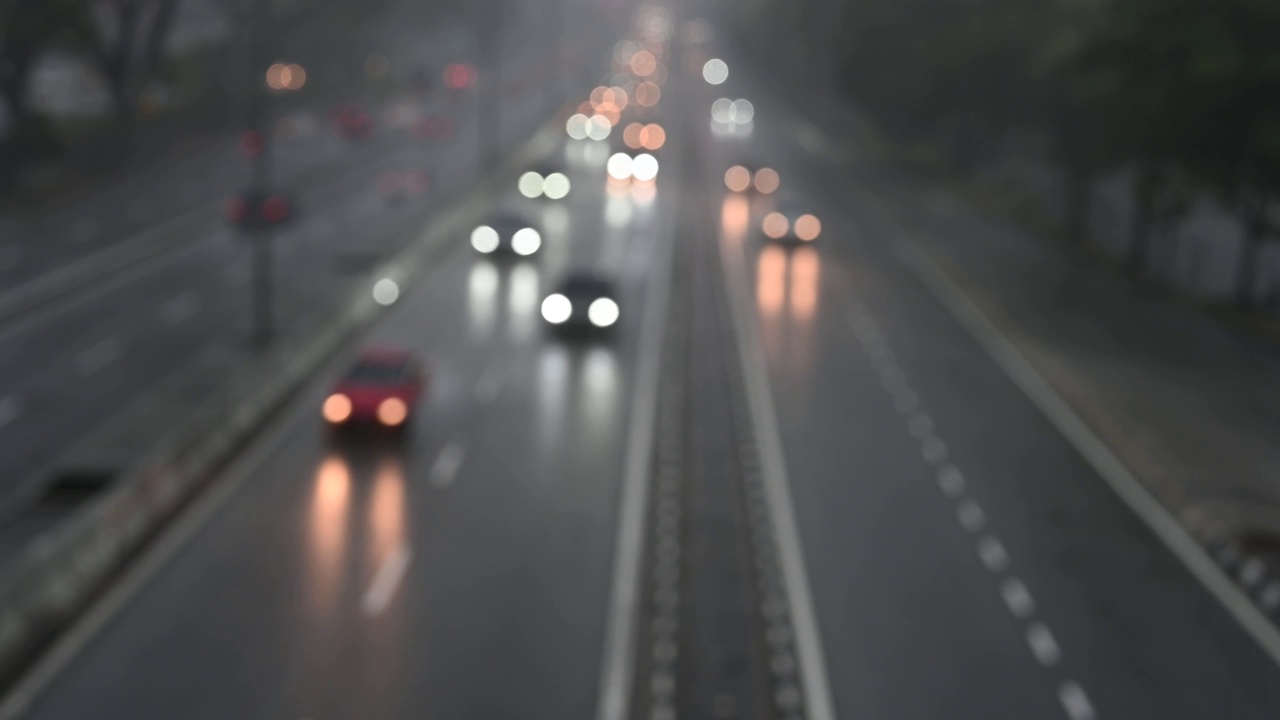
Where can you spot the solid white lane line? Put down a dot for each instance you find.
(93, 359)
(1082, 437)
(617, 663)
(993, 554)
(445, 468)
(10, 409)
(817, 691)
(951, 481)
(490, 382)
(971, 516)
(383, 588)
(1018, 598)
(1040, 638)
(180, 307)
(1075, 701)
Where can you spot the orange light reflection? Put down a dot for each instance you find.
(327, 534)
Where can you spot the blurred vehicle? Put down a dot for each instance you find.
(791, 222)
(584, 301)
(353, 123)
(399, 186)
(381, 391)
(506, 234)
(752, 178)
(547, 180)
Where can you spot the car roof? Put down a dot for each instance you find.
(586, 282)
(384, 355)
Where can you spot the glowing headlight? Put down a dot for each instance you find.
(556, 309)
(526, 241)
(556, 186)
(485, 239)
(337, 408)
(531, 184)
(619, 166)
(392, 412)
(644, 167)
(385, 291)
(603, 312)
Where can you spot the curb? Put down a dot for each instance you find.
(61, 572)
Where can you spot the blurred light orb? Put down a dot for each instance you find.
(297, 77)
(643, 63)
(737, 178)
(644, 167)
(602, 312)
(775, 225)
(648, 94)
(743, 111)
(526, 241)
(484, 239)
(767, 180)
(715, 71)
(619, 166)
(598, 127)
(631, 135)
(556, 186)
(618, 97)
(808, 227)
(576, 126)
(392, 411)
(652, 136)
(556, 309)
(386, 291)
(530, 184)
(722, 110)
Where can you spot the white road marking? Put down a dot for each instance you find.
(180, 307)
(93, 359)
(817, 692)
(618, 658)
(10, 409)
(993, 554)
(445, 468)
(1075, 701)
(920, 426)
(951, 481)
(1046, 649)
(490, 382)
(1018, 598)
(971, 516)
(383, 589)
(934, 451)
(1083, 438)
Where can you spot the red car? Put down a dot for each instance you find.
(382, 389)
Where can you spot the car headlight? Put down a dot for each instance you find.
(526, 241)
(556, 309)
(531, 184)
(485, 239)
(603, 312)
(556, 186)
(337, 408)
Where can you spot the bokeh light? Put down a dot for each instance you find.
(715, 71)
(652, 136)
(598, 127)
(526, 241)
(576, 126)
(484, 239)
(743, 111)
(648, 93)
(722, 110)
(386, 291)
(767, 180)
(644, 167)
(643, 63)
(631, 135)
(556, 186)
(775, 225)
(619, 166)
(530, 184)
(808, 227)
(737, 178)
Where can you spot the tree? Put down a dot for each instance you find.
(28, 28)
(129, 50)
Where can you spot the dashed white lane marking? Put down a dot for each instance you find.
(934, 451)
(93, 359)
(490, 382)
(180, 307)
(920, 426)
(951, 481)
(10, 409)
(1075, 701)
(383, 588)
(993, 554)
(1040, 638)
(1018, 598)
(445, 468)
(971, 516)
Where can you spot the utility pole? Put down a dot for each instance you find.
(261, 235)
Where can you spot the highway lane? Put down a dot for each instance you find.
(70, 370)
(464, 575)
(965, 561)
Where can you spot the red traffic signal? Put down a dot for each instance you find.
(459, 76)
(255, 211)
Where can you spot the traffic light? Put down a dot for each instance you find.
(261, 210)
